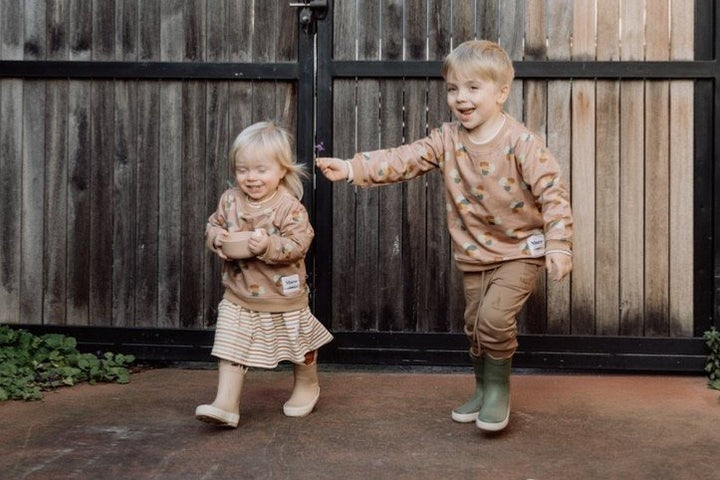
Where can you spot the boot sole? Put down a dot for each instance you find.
(464, 417)
(215, 416)
(301, 411)
(493, 426)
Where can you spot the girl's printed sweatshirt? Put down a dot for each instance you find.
(276, 280)
(504, 199)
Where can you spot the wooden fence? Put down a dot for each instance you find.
(106, 184)
(625, 146)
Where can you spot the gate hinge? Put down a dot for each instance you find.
(310, 12)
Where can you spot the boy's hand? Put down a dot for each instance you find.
(559, 264)
(258, 242)
(333, 168)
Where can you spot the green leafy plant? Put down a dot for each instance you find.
(30, 364)
(712, 366)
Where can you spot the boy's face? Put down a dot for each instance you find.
(258, 173)
(474, 100)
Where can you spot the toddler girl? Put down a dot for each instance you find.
(264, 317)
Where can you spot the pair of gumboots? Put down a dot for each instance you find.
(488, 407)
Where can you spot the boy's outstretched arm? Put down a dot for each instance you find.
(333, 168)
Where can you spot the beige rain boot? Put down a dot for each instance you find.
(306, 390)
(225, 410)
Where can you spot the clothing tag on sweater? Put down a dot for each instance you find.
(536, 244)
(291, 284)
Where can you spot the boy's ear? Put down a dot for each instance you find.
(503, 94)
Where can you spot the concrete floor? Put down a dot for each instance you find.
(369, 424)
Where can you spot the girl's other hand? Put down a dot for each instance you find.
(258, 242)
(333, 168)
(217, 243)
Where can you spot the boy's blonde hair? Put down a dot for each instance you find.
(480, 57)
(278, 140)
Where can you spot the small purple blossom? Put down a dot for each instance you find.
(319, 148)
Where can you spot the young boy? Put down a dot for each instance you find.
(507, 209)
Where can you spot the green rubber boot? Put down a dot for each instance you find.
(468, 411)
(495, 412)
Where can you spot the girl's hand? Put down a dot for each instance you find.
(217, 243)
(559, 264)
(333, 168)
(258, 242)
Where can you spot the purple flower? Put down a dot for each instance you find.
(319, 148)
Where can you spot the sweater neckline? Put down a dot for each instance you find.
(490, 145)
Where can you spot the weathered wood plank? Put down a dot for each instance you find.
(169, 218)
(57, 16)
(216, 181)
(147, 205)
(11, 30)
(416, 282)
(657, 167)
(124, 223)
(172, 31)
(103, 29)
(534, 316)
(367, 269)
(78, 203)
(511, 19)
(287, 38)
(487, 25)
(439, 30)
(55, 208)
(149, 30)
(194, 26)
(344, 252)
(681, 175)
(607, 202)
(390, 255)
(239, 36)
(11, 144)
(462, 22)
(32, 201)
(560, 13)
(35, 29)
(127, 26)
(81, 27)
(631, 180)
(194, 216)
(583, 174)
(101, 200)
(414, 279)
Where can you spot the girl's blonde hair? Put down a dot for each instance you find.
(278, 140)
(482, 57)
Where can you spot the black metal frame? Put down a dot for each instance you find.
(315, 104)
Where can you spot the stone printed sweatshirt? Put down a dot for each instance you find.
(505, 199)
(276, 280)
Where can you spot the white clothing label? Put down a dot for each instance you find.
(536, 244)
(291, 284)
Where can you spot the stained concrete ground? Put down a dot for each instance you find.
(369, 424)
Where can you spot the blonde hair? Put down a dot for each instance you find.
(481, 57)
(278, 140)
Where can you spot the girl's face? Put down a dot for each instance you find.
(258, 174)
(474, 100)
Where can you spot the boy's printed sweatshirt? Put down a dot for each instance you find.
(274, 281)
(504, 199)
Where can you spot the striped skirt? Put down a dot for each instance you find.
(263, 339)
